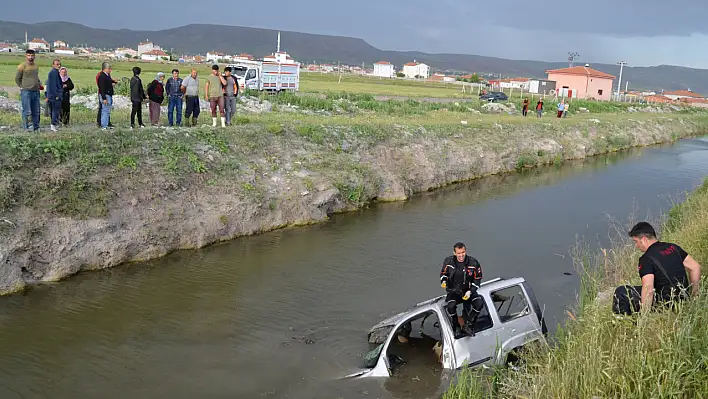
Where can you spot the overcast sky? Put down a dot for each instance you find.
(641, 32)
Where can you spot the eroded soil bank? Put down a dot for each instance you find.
(84, 200)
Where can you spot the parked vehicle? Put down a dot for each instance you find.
(494, 96)
(510, 319)
(267, 75)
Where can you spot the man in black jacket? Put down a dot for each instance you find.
(105, 91)
(137, 96)
(461, 276)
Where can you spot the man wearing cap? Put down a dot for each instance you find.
(27, 79)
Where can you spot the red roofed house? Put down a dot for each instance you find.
(658, 99)
(679, 94)
(155, 55)
(384, 69)
(582, 82)
(38, 45)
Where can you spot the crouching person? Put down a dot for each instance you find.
(662, 269)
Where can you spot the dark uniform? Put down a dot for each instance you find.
(459, 278)
(665, 261)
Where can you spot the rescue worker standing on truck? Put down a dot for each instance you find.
(461, 276)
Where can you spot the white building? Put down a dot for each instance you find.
(279, 57)
(146, 47)
(514, 83)
(8, 48)
(155, 55)
(414, 70)
(125, 52)
(384, 69)
(214, 56)
(38, 45)
(63, 51)
(59, 43)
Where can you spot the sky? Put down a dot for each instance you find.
(639, 32)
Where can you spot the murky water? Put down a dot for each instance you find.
(285, 314)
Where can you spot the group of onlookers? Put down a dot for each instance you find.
(221, 91)
(562, 108)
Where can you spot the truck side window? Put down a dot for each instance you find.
(511, 303)
(251, 74)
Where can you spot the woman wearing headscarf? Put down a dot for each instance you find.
(67, 86)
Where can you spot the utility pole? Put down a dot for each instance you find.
(619, 83)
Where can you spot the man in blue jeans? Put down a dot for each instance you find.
(174, 97)
(105, 91)
(27, 79)
(55, 93)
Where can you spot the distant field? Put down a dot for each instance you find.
(83, 72)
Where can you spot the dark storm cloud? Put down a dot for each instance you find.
(648, 32)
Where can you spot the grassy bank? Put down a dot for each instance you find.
(662, 355)
(84, 199)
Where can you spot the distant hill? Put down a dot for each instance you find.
(307, 48)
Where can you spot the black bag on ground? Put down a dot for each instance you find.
(626, 299)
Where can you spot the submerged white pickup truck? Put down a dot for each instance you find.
(510, 319)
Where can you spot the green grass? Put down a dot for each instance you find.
(660, 355)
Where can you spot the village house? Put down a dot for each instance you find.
(214, 56)
(280, 57)
(541, 86)
(244, 57)
(514, 83)
(155, 55)
(123, 52)
(197, 59)
(441, 77)
(415, 70)
(655, 98)
(8, 48)
(38, 45)
(582, 82)
(63, 51)
(146, 47)
(681, 94)
(384, 69)
(59, 43)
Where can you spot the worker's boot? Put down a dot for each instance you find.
(186, 122)
(213, 121)
(194, 121)
(223, 122)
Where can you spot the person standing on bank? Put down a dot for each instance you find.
(156, 94)
(230, 95)
(54, 93)
(663, 271)
(105, 91)
(137, 97)
(214, 93)
(27, 79)
(190, 88)
(525, 109)
(67, 86)
(461, 276)
(174, 97)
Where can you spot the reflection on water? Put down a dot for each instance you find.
(285, 314)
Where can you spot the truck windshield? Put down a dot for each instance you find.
(240, 72)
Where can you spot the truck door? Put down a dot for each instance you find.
(251, 80)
